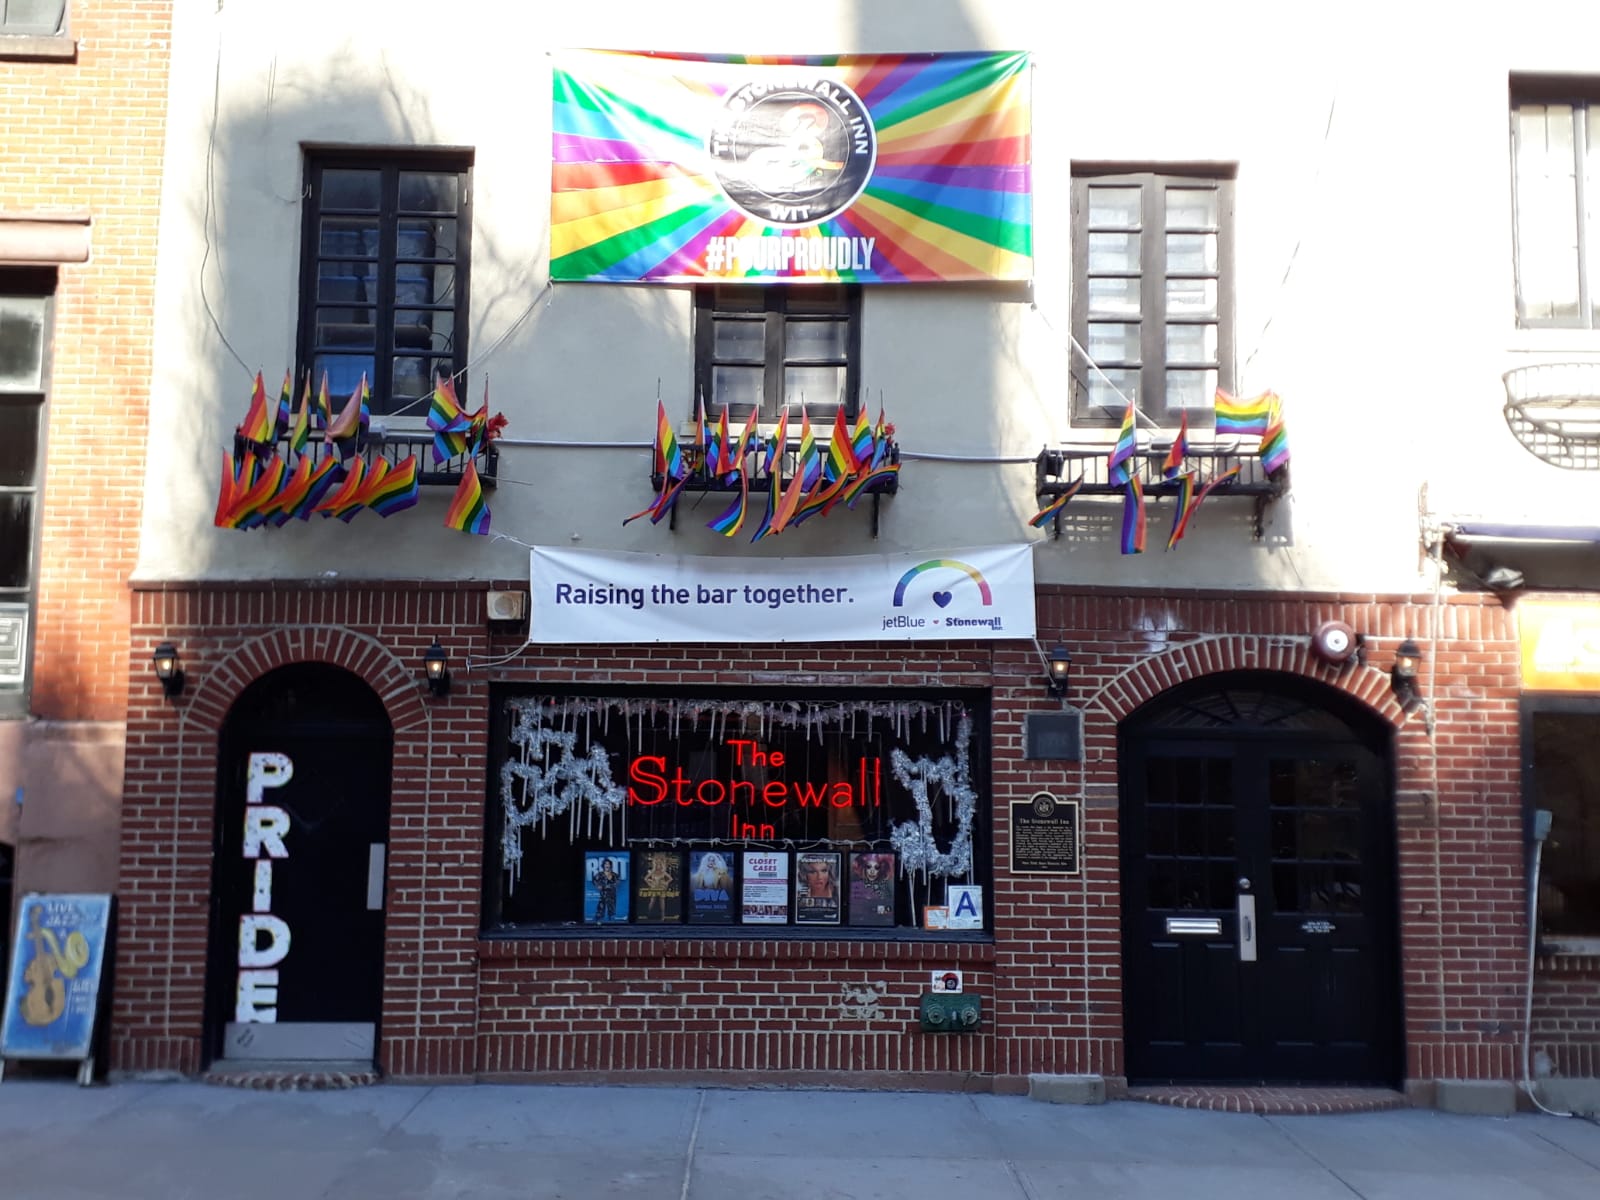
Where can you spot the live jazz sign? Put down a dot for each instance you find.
(263, 937)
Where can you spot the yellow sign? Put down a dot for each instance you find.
(1560, 645)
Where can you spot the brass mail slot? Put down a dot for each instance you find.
(1205, 926)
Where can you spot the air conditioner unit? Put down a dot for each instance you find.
(508, 606)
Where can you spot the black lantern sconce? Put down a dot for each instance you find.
(1403, 675)
(1058, 669)
(434, 664)
(168, 670)
(1403, 681)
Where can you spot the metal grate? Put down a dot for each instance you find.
(1553, 409)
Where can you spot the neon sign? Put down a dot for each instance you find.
(655, 779)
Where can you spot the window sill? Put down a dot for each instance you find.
(1555, 341)
(24, 47)
(1568, 947)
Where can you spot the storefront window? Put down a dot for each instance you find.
(1566, 782)
(739, 810)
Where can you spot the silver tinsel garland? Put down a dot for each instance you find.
(915, 844)
(533, 790)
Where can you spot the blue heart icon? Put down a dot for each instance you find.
(942, 598)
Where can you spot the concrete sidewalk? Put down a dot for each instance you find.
(180, 1140)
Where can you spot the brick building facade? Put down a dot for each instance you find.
(82, 129)
(1291, 860)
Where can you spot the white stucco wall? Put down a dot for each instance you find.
(1373, 269)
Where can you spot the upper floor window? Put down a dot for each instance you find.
(773, 347)
(384, 266)
(33, 18)
(25, 308)
(1555, 182)
(1152, 292)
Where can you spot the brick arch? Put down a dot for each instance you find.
(1158, 673)
(359, 653)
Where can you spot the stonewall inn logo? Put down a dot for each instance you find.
(793, 153)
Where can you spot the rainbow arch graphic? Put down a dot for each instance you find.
(949, 564)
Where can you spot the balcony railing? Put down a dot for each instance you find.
(395, 447)
(1553, 409)
(1058, 466)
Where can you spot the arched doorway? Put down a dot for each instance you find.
(1260, 931)
(298, 888)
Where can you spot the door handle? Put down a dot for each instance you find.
(1247, 927)
(375, 856)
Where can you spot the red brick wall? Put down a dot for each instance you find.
(1050, 983)
(1566, 1015)
(88, 134)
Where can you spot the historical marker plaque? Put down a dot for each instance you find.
(1044, 836)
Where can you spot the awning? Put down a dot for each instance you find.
(1476, 532)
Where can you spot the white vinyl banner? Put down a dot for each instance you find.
(600, 596)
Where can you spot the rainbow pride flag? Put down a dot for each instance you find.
(1058, 502)
(285, 405)
(1133, 517)
(1274, 448)
(292, 492)
(842, 461)
(344, 501)
(300, 428)
(669, 455)
(1180, 516)
(256, 505)
(324, 478)
(468, 511)
(1243, 418)
(344, 429)
(237, 476)
(861, 440)
(324, 408)
(1178, 451)
(392, 489)
(719, 456)
(259, 419)
(448, 420)
(1191, 501)
(810, 465)
(1127, 442)
(914, 168)
(731, 521)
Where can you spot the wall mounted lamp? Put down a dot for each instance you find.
(1403, 681)
(1058, 669)
(434, 664)
(167, 668)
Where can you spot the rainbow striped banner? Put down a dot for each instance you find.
(895, 168)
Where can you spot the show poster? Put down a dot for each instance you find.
(605, 887)
(765, 883)
(712, 887)
(872, 888)
(658, 898)
(817, 889)
(880, 169)
(56, 961)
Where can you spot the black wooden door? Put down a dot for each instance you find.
(301, 860)
(1259, 926)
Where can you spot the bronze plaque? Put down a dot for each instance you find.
(1044, 836)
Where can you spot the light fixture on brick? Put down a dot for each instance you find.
(168, 670)
(435, 665)
(1403, 682)
(1058, 669)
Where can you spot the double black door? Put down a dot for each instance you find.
(1259, 924)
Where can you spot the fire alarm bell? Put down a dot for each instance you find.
(507, 606)
(1334, 642)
